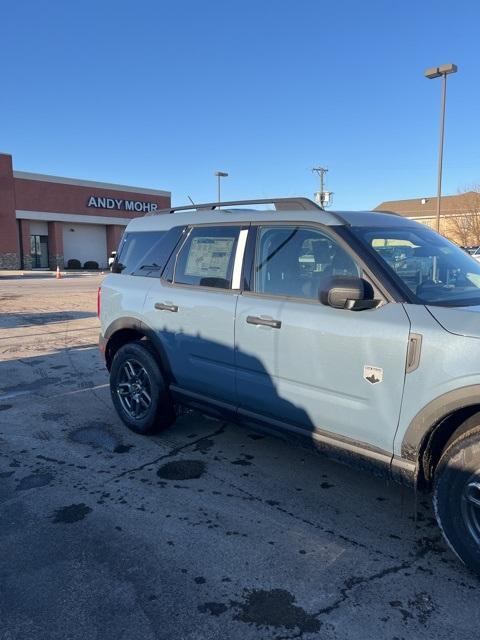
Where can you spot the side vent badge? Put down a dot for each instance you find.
(372, 374)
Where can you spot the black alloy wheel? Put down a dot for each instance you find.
(456, 496)
(138, 389)
(134, 389)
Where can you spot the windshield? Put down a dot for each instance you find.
(433, 268)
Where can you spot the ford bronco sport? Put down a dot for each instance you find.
(359, 331)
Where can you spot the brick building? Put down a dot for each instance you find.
(46, 221)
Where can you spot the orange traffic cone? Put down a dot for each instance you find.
(59, 275)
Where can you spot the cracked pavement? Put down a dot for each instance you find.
(208, 530)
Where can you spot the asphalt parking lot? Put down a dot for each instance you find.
(205, 531)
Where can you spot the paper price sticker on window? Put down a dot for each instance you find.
(209, 257)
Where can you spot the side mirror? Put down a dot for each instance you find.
(347, 292)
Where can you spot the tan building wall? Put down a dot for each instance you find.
(448, 228)
(459, 217)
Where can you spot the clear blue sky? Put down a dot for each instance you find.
(163, 93)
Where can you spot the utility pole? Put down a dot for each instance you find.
(322, 197)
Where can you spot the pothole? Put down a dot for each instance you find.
(275, 608)
(35, 481)
(71, 513)
(182, 470)
(96, 436)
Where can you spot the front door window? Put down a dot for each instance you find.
(294, 261)
(39, 251)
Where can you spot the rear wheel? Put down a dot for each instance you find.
(138, 389)
(457, 495)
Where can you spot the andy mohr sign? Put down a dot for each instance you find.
(121, 205)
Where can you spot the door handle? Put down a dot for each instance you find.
(264, 322)
(166, 307)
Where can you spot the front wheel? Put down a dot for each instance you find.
(138, 390)
(457, 495)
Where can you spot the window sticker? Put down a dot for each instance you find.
(209, 257)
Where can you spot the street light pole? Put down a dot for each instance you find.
(440, 149)
(220, 175)
(437, 72)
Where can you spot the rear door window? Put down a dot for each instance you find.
(145, 253)
(207, 257)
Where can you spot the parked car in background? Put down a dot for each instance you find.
(476, 254)
(359, 331)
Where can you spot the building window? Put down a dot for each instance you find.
(39, 251)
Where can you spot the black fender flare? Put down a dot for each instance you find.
(433, 414)
(134, 324)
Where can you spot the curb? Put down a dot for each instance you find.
(28, 275)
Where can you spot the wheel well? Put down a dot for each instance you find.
(438, 438)
(124, 336)
(119, 338)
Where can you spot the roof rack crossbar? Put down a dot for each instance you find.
(280, 204)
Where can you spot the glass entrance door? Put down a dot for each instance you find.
(39, 252)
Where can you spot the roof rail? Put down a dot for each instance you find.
(281, 204)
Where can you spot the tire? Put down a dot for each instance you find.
(456, 497)
(139, 392)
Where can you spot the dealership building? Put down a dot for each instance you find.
(45, 221)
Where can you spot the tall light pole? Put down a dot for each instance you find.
(220, 175)
(441, 72)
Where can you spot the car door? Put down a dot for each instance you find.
(305, 364)
(192, 311)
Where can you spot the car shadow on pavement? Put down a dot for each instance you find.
(260, 538)
(66, 369)
(19, 319)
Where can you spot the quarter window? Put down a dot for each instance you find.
(206, 259)
(293, 261)
(145, 253)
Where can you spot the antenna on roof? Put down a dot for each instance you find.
(191, 201)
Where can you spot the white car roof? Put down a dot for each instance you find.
(164, 221)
